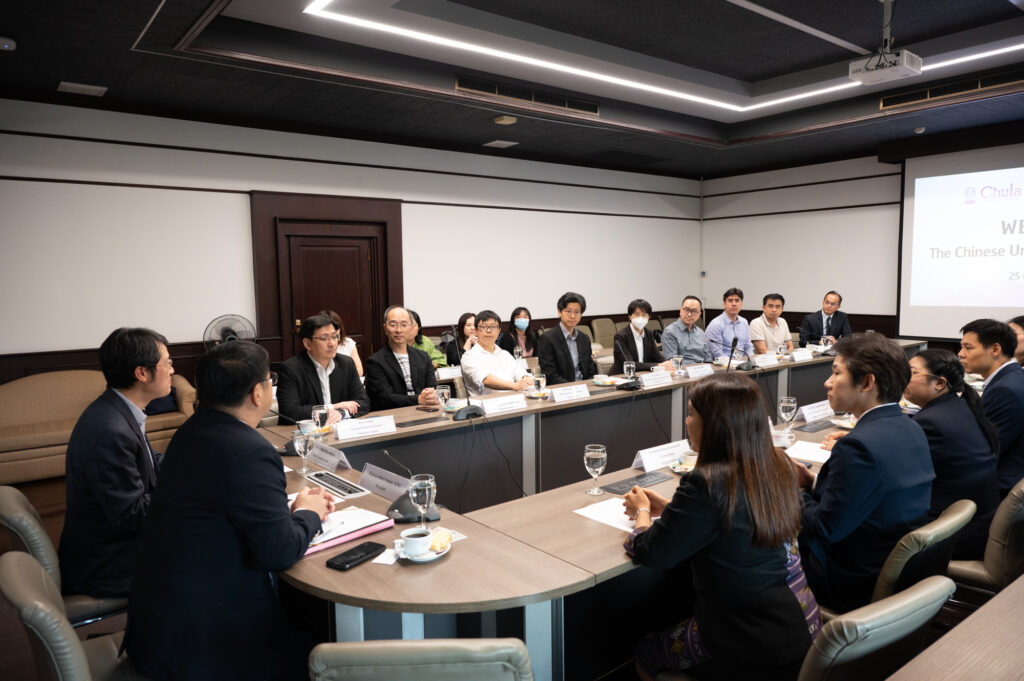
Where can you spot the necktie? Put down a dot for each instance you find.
(828, 326)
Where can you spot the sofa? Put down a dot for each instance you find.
(38, 412)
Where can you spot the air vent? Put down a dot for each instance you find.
(951, 89)
(521, 94)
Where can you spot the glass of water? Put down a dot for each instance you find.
(444, 393)
(677, 364)
(540, 381)
(787, 411)
(422, 489)
(319, 415)
(595, 458)
(629, 368)
(300, 441)
(517, 352)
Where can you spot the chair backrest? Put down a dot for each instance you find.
(498, 659)
(925, 551)
(585, 330)
(604, 330)
(1004, 551)
(25, 528)
(654, 325)
(58, 653)
(873, 641)
(619, 326)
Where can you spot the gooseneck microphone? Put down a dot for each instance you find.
(633, 383)
(732, 351)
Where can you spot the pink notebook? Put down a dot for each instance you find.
(355, 534)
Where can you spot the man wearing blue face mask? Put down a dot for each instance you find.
(633, 344)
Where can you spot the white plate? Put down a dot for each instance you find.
(427, 557)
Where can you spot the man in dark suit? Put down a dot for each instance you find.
(563, 352)
(632, 342)
(111, 470)
(829, 323)
(320, 376)
(877, 484)
(203, 604)
(987, 348)
(399, 375)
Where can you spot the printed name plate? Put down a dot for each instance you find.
(376, 425)
(570, 392)
(655, 378)
(816, 411)
(446, 373)
(500, 405)
(768, 360)
(385, 483)
(699, 370)
(328, 458)
(653, 458)
(802, 354)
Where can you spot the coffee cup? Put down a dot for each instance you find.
(416, 541)
(307, 426)
(689, 460)
(601, 378)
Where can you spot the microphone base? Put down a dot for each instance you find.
(403, 511)
(468, 412)
(631, 384)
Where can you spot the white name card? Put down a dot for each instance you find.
(570, 392)
(328, 457)
(385, 483)
(500, 405)
(767, 360)
(699, 370)
(447, 373)
(376, 425)
(801, 354)
(655, 378)
(816, 411)
(653, 458)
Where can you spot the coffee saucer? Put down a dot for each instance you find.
(427, 557)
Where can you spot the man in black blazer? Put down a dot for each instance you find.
(111, 470)
(399, 375)
(204, 603)
(876, 485)
(630, 339)
(987, 348)
(829, 323)
(563, 352)
(320, 376)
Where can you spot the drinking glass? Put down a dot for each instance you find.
(595, 458)
(422, 489)
(444, 393)
(781, 350)
(629, 368)
(540, 381)
(517, 352)
(301, 441)
(787, 411)
(677, 364)
(319, 415)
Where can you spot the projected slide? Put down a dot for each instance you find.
(968, 240)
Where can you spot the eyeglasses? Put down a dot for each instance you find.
(169, 364)
(572, 313)
(398, 325)
(920, 372)
(487, 327)
(829, 303)
(326, 339)
(690, 310)
(273, 378)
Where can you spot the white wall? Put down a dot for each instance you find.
(803, 231)
(172, 254)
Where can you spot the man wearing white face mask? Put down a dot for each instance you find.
(633, 343)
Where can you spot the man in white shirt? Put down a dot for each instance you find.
(769, 332)
(486, 368)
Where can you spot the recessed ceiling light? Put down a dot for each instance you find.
(81, 89)
(8, 44)
(918, 130)
(505, 120)
(501, 144)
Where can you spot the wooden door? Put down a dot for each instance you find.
(337, 273)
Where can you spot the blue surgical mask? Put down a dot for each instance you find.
(522, 324)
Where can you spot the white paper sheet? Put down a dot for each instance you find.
(610, 512)
(808, 451)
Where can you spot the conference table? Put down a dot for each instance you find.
(523, 549)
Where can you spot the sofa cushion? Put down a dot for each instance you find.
(49, 397)
(35, 435)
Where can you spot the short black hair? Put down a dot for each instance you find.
(228, 372)
(732, 292)
(833, 293)
(1019, 321)
(699, 301)
(639, 303)
(484, 315)
(570, 297)
(124, 350)
(773, 296)
(873, 353)
(311, 324)
(990, 332)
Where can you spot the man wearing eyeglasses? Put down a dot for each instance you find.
(487, 368)
(111, 469)
(683, 338)
(828, 324)
(399, 375)
(563, 352)
(320, 375)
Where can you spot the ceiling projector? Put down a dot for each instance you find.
(883, 67)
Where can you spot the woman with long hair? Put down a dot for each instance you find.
(465, 339)
(520, 332)
(736, 518)
(962, 441)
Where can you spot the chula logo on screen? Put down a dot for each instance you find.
(990, 192)
(970, 194)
